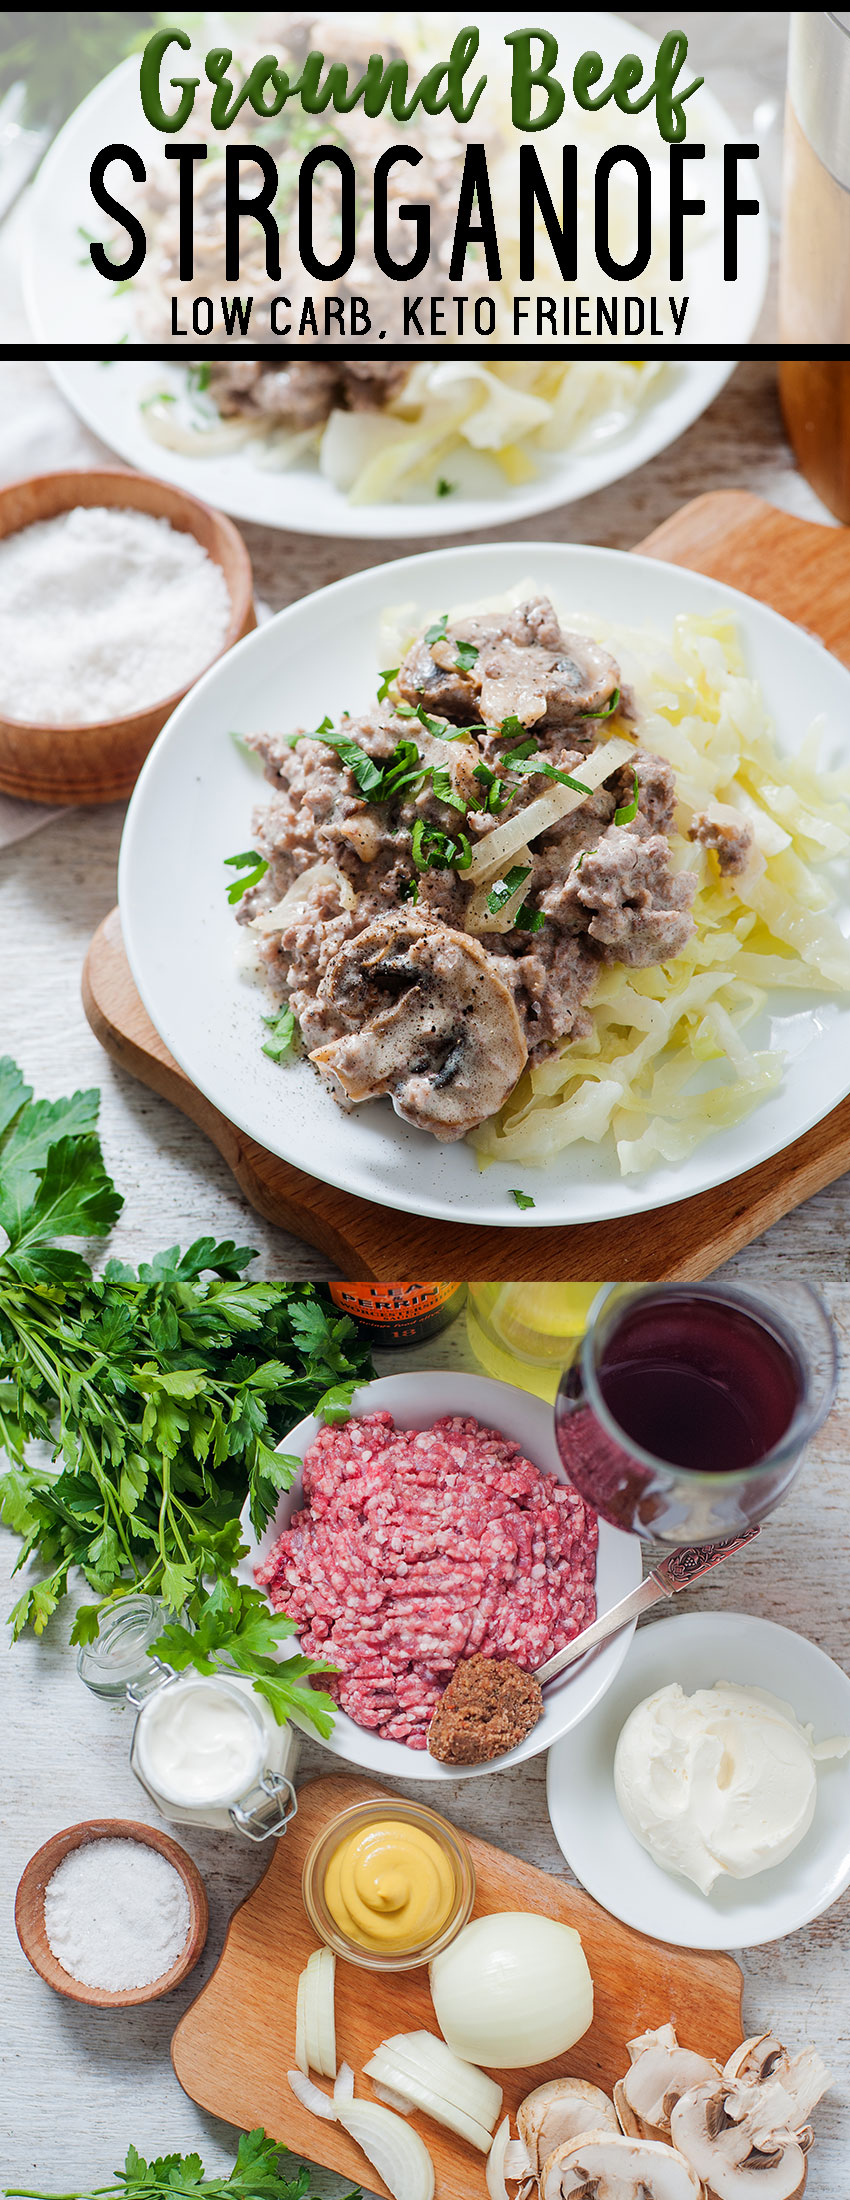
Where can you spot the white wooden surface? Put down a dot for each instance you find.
(82, 2083)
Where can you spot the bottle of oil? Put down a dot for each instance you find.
(527, 1333)
(390, 1314)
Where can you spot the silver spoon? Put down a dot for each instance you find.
(682, 1567)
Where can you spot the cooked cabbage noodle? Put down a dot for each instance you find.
(668, 1060)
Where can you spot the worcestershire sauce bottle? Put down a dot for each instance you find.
(399, 1313)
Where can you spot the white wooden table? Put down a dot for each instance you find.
(82, 2083)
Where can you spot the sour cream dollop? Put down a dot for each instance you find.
(721, 1781)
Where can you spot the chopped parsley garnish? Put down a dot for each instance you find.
(537, 767)
(284, 1035)
(465, 657)
(198, 377)
(387, 679)
(630, 809)
(255, 868)
(504, 888)
(446, 488)
(409, 890)
(437, 632)
(441, 782)
(403, 772)
(434, 850)
(528, 919)
(523, 1199)
(435, 726)
(607, 710)
(157, 397)
(496, 794)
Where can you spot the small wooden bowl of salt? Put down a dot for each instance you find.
(112, 1914)
(116, 592)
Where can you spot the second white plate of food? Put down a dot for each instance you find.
(698, 1649)
(417, 1402)
(192, 809)
(439, 480)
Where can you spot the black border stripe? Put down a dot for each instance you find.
(168, 353)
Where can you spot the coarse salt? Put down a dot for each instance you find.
(104, 612)
(116, 1914)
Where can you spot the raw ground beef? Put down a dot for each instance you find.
(417, 1548)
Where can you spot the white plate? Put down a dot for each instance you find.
(66, 299)
(192, 807)
(699, 1649)
(107, 395)
(417, 1401)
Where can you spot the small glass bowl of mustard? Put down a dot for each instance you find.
(388, 1884)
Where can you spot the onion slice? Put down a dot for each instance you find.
(301, 2055)
(495, 2171)
(311, 2096)
(344, 2085)
(318, 874)
(315, 2029)
(479, 919)
(394, 2149)
(462, 2083)
(420, 2094)
(497, 848)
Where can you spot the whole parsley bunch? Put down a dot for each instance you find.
(257, 2174)
(161, 1392)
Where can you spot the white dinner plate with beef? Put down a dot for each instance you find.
(670, 1003)
(448, 1541)
(318, 448)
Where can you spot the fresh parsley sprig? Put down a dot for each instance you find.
(235, 1632)
(258, 2173)
(162, 1392)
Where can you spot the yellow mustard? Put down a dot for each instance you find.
(389, 1885)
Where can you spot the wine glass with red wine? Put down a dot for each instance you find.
(686, 1410)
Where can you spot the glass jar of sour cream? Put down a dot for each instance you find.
(210, 1752)
(388, 1884)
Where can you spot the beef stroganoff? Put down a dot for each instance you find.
(536, 892)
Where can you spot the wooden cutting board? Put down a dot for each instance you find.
(232, 2049)
(799, 569)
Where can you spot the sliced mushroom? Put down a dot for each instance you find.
(661, 2072)
(560, 2111)
(602, 2166)
(739, 2132)
(422, 1015)
(803, 2078)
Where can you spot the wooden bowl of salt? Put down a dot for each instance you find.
(99, 760)
(32, 1929)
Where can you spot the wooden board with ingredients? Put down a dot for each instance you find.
(233, 2048)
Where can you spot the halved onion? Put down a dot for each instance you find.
(491, 854)
(512, 1990)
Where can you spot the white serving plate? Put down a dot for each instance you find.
(417, 1401)
(192, 808)
(698, 1649)
(66, 299)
